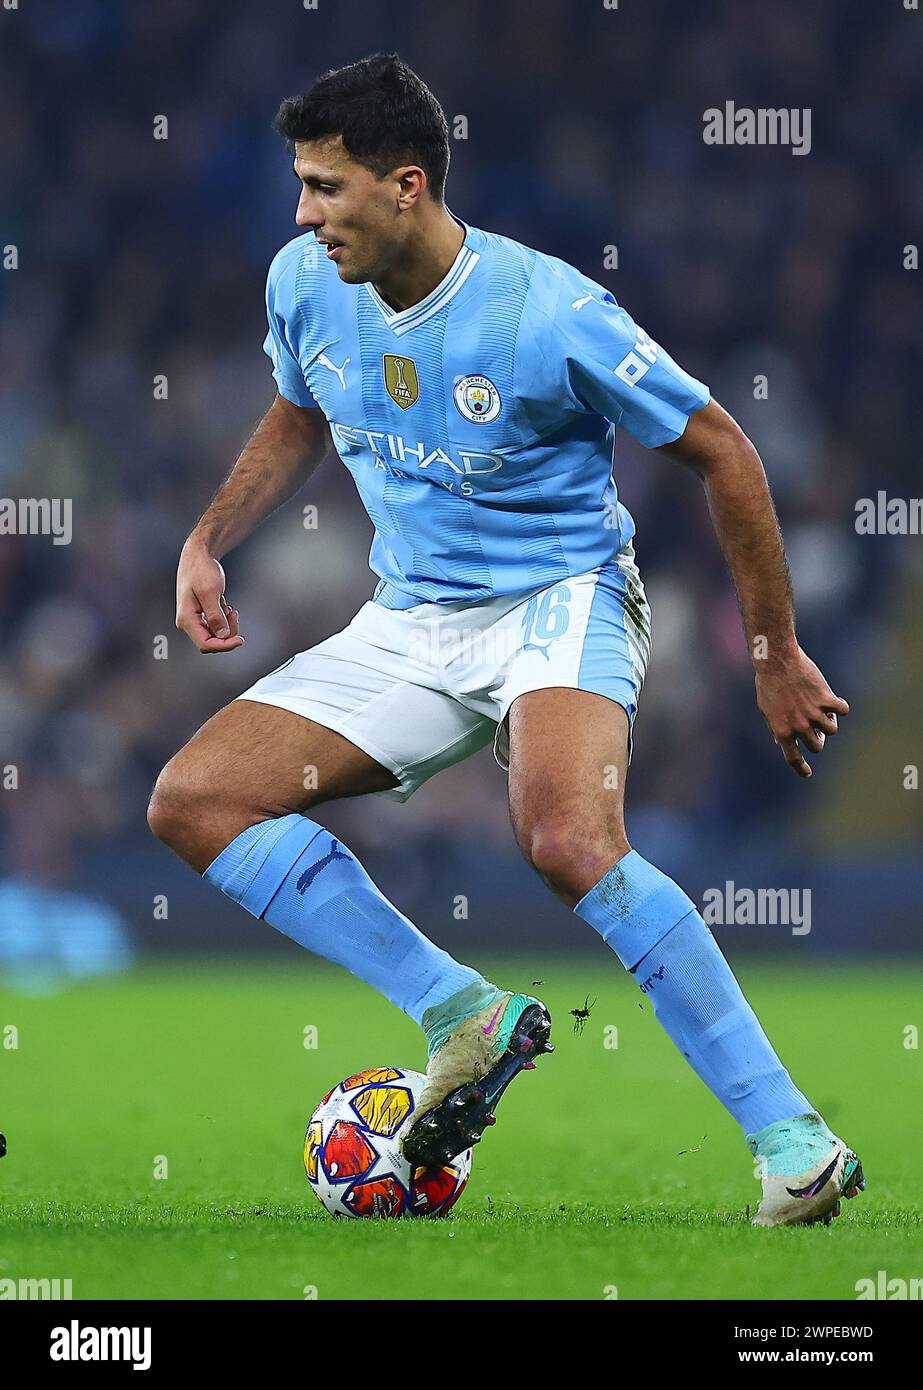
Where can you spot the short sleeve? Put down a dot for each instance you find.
(278, 344)
(615, 370)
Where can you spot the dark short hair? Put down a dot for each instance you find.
(384, 113)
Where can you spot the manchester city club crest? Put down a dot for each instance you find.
(478, 399)
(401, 379)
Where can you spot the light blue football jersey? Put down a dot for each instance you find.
(479, 425)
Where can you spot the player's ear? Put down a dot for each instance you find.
(412, 184)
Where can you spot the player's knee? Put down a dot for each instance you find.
(176, 807)
(572, 856)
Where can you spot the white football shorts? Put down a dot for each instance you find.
(421, 688)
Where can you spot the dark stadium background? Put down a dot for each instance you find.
(140, 257)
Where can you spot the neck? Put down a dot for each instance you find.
(423, 261)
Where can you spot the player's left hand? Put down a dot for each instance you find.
(799, 707)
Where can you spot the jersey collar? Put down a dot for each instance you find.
(401, 321)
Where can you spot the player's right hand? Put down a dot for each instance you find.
(202, 611)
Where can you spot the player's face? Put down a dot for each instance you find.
(352, 212)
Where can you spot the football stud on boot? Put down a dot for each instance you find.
(805, 1170)
(478, 1041)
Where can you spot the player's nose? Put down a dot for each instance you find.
(306, 213)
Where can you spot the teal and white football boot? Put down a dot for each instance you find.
(485, 1038)
(805, 1170)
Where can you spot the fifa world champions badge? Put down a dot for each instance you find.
(402, 380)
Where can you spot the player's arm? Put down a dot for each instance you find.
(287, 446)
(795, 700)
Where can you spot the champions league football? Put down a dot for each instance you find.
(352, 1151)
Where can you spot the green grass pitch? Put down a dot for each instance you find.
(610, 1168)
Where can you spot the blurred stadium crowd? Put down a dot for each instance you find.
(139, 257)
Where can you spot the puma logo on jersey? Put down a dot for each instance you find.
(579, 303)
(340, 372)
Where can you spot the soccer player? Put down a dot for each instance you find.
(473, 388)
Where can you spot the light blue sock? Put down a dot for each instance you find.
(657, 934)
(295, 875)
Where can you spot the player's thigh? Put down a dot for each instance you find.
(342, 719)
(274, 761)
(568, 762)
(361, 685)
